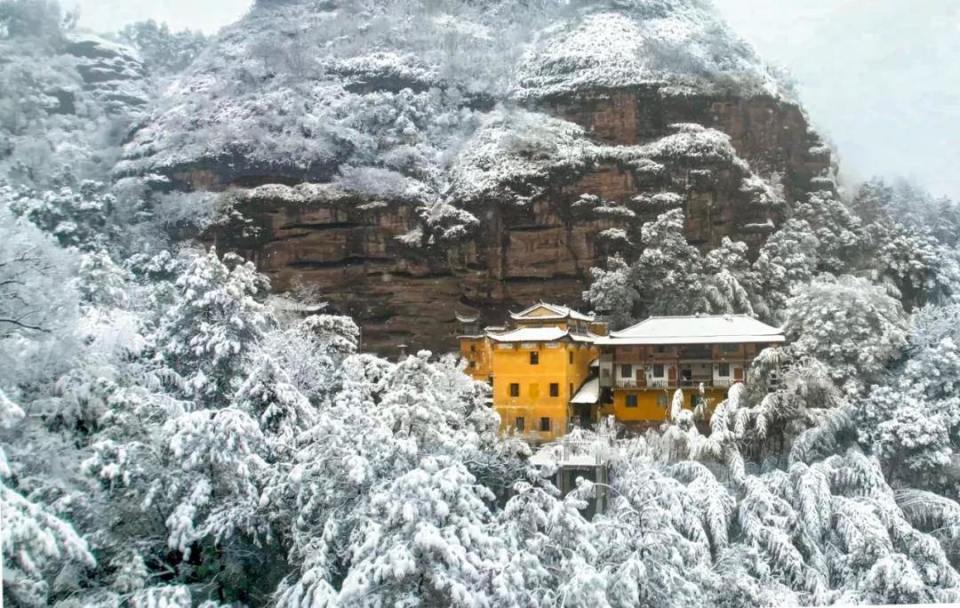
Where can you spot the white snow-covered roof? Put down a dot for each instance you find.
(573, 453)
(589, 393)
(470, 317)
(588, 337)
(542, 334)
(713, 329)
(549, 458)
(532, 334)
(285, 304)
(549, 311)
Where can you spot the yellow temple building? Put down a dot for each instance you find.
(535, 366)
(552, 368)
(643, 365)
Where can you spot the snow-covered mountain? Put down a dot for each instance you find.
(456, 141)
(308, 87)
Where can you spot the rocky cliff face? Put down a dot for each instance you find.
(406, 190)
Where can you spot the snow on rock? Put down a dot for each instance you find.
(299, 194)
(114, 72)
(681, 44)
(513, 153)
(659, 200)
(691, 143)
(566, 58)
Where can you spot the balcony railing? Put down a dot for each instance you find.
(693, 382)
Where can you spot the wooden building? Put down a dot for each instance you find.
(642, 366)
(554, 368)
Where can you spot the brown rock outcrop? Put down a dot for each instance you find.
(405, 294)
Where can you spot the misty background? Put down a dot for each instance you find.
(879, 78)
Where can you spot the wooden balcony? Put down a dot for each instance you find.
(666, 383)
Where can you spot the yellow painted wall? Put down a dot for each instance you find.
(477, 353)
(511, 365)
(649, 409)
(647, 406)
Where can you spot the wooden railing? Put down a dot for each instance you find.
(663, 383)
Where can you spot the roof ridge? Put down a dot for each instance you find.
(717, 316)
(560, 310)
(563, 333)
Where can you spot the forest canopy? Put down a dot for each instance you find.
(171, 435)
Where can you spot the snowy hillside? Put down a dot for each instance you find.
(70, 98)
(400, 85)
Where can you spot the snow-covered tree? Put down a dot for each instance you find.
(39, 301)
(214, 323)
(612, 293)
(686, 282)
(269, 396)
(673, 265)
(163, 51)
(839, 233)
(426, 541)
(913, 423)
(76, 217)
(787, 260)
(851, 325)
(31, 297)
(732, 285)
(550, 549)
(37, 544)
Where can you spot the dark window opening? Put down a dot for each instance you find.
(724, 370)
(626, 371)
(519, 423)
(554, 389)
(545, 425)
(534, 358)
(658, 371)
(514, 390)
(631, 401)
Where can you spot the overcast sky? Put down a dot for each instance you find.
(880, 78)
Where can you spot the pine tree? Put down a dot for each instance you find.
(852, 326)
(213, 324)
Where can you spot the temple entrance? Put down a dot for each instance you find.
(583, 414)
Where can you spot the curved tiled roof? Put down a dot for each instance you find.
(558, 312)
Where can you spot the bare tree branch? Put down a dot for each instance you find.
(23, 325)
